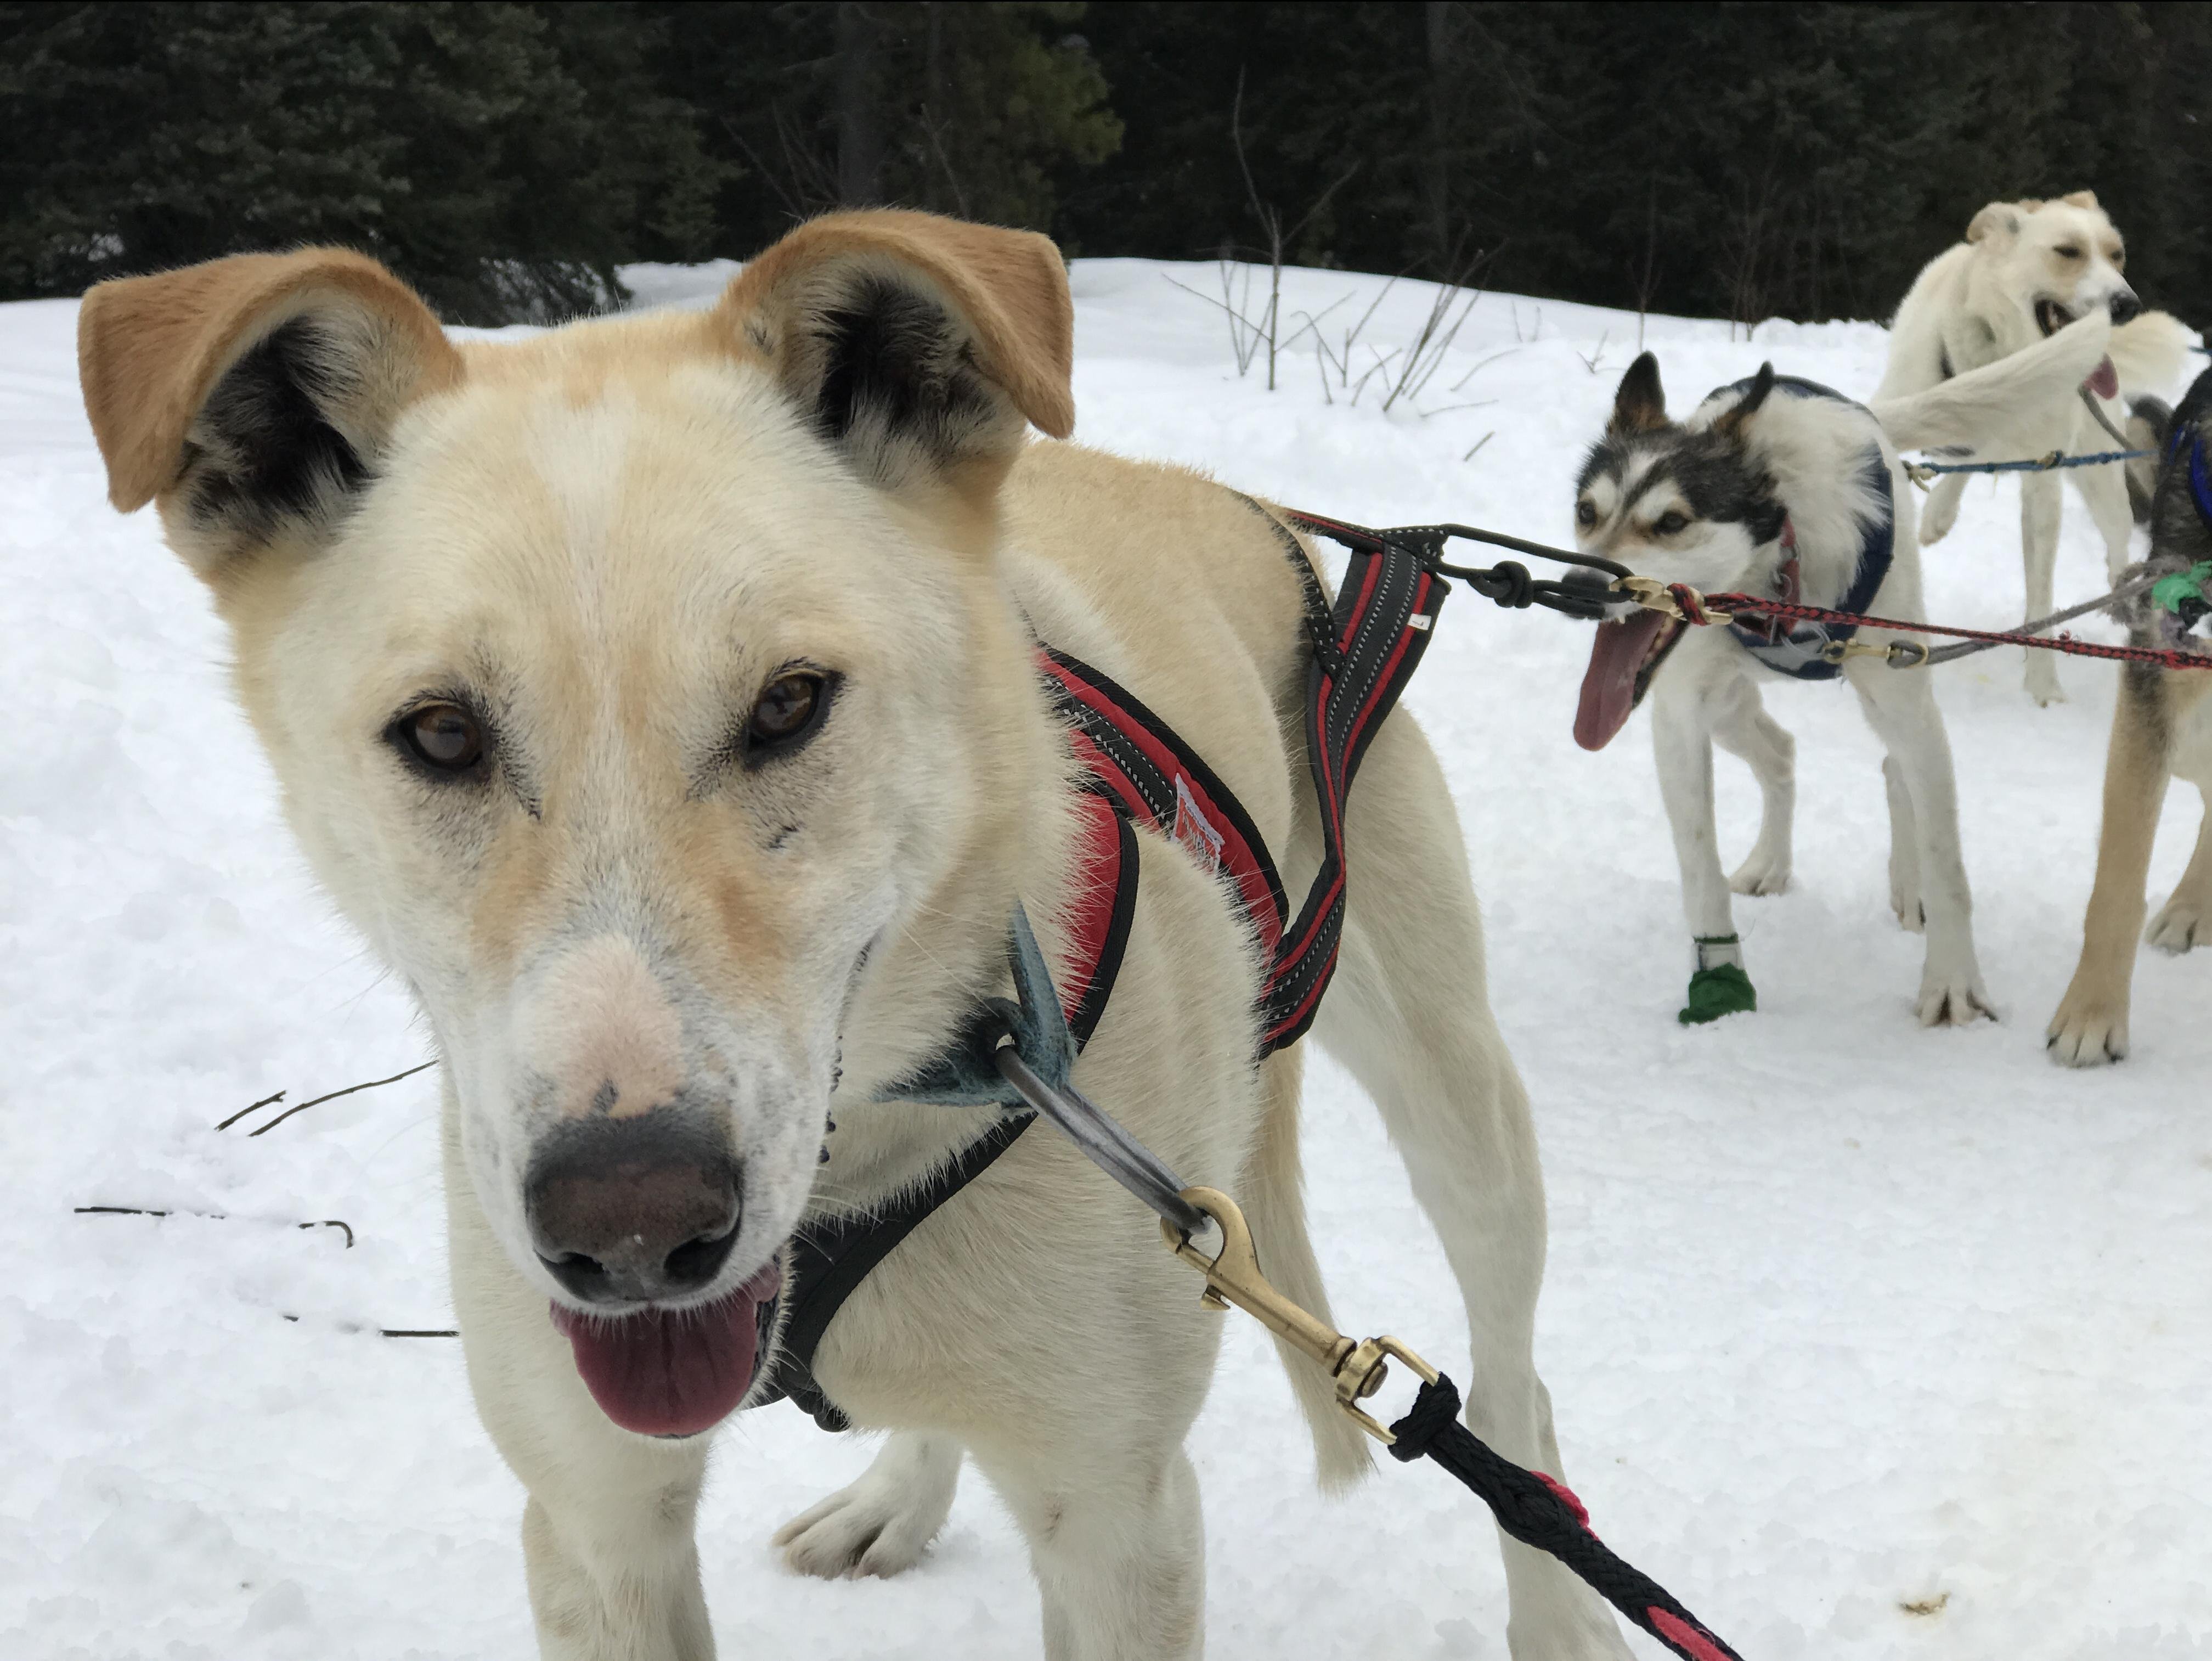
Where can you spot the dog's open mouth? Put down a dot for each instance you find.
(1623, 659)
(2051, 317)
(673, 1373)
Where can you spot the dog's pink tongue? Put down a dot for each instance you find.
(1609, 684)
(2104, 380)
(672, 1372)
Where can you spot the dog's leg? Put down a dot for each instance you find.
(2184, 921)
(1742, 727)
(1682, 714)
(2090, 1025)
(607, 1531)
(1117, 1544)
(2104, 490)
(881, 1524)
(2039, 504)
(1409, 1015)
(1904, 850)
(1900, 707)
(1942, 511)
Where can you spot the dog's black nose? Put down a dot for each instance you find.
(633, 1210)
(2126, 306)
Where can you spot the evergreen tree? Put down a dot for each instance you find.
(502, 157)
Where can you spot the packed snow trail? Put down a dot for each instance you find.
(1868, 1342)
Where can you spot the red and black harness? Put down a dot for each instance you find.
(1139, 772)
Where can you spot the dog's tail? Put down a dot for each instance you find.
(2150, 351)
(2150, 420)
(1275, 1206)
(2003, 408)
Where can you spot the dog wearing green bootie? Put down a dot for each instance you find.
(1777, 489)
(1720, 988)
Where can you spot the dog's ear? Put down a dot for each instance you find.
(1640, 405)
(252, 394)
(1731, 423)
(2080, 200)
(919, 346)
(2000, 220)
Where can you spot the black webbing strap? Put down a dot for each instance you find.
(1373, 639)
(828, 1259)
(1540, 1513)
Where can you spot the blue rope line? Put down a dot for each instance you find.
(2054, 460)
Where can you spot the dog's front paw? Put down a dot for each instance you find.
(1762, 873)
(2088, 1030)
(880, 1524)
(2180, 925)
(1953, 1000)
(2042, 680)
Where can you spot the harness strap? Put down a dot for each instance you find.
(1379, 627)
(829, 1258)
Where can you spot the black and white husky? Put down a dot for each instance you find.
(1773, 486)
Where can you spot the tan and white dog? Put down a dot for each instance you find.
(2025, 271)
(656, 696)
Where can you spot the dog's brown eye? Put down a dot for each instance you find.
(1585, 513)
(444, 736)
(1669, 523)
(787, 711)
(2069, 252)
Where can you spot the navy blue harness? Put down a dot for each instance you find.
(1799, 648)
(2191, 433)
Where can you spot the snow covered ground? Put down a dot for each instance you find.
(1868, 1342)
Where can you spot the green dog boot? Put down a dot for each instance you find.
(1723, 989)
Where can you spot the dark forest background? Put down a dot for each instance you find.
(1747, 161)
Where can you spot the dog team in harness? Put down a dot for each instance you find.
(988, 740)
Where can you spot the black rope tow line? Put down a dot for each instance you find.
(1543, 1513)
(1508, 584)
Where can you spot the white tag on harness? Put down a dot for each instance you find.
(1197, 833)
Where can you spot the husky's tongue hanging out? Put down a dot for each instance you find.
(1772, 486)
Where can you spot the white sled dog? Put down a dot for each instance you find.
(2026, 270)
(1779, 487)
(659, 697)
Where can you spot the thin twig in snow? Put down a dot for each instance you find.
(373, 1084)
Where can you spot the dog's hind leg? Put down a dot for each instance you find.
(2184, 921)
(881, 1524)
(1900, 706)
(1409, 1014)
(2040, 501)
(1742, 727)
(607, 1531)
(2104, 490)
(1904, 850)
(1942, 512)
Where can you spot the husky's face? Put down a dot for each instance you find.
(2057, 261)
(1676, 503)
(630, 687)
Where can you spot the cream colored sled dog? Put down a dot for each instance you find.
(2026, 270)
(656, 696)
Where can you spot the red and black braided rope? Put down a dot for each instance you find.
(1540, 1513)
(1737, 606)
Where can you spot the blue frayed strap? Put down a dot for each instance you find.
(963, 1073)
